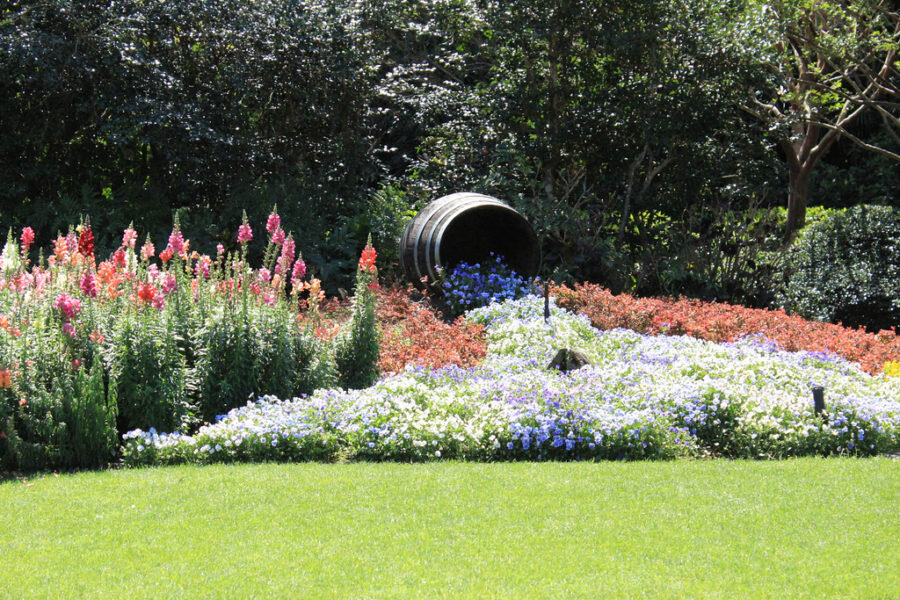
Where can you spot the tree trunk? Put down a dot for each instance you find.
(797, 198)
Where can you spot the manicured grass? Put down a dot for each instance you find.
(806, 528)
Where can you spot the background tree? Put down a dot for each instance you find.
(829, 63)
(132, 110)
(604, 124)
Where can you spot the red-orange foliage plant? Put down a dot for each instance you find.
(720, 322)
(413, 333)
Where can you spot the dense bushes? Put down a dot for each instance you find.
(133, 110)
(601, 129)
(845, 267)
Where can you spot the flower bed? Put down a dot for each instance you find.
(414, 334)
(92, 348)
(644, 397)
(720, 322)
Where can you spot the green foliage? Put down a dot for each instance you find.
(132, 110)
(85, 419)
(387, 212)
(357, 346)
(251, 350)
(736, 257)
(612, 127)
(151, 373)
(62, 409)
(605, 125)
(846, 267)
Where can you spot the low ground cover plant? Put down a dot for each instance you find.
(721, 322)
(644, 396)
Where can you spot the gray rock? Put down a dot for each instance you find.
(568, 360)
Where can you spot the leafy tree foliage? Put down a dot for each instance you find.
(604, 124)
(829, 63)
(614, 127)
(156, 106)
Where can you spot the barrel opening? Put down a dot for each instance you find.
(477, 232)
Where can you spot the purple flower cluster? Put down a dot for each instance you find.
(469, 286)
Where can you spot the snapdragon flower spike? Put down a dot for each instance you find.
(169, 284)
(245, 232)
(273, 222)
(367, 259)
(67, 306)
(278, 237)
(146, 292)
(176, 241)
(287, 256)
(86, 240)
(129, 238)
(148, 250)
(27, 238)
(299, 271)
(88, 284)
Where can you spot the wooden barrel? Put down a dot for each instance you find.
(467, 227)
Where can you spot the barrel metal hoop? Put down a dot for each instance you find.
(433, 209)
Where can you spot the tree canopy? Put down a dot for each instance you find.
(627, 132)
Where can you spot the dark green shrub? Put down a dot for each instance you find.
(357, 346)
(846, 267)
(735, 257)
(150, 373)
(85, 418)
(249, 351)
(62, 410)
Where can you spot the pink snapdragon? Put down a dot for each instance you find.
(273, 222)
(201, 269)
(287, 256)
(176, 241)
(147, 250)
(129, 238)
(278, 237)
(68, 306)
(88, 285)
(265, 275)
(169, 284)
(245, 233)
(27, 239)
(299, 271)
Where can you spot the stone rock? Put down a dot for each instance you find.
(568, 360)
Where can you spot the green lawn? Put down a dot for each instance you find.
(810, 528)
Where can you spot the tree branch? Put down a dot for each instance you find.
(841, 131)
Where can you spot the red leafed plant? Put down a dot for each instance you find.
(720, 322)
(413, 333)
